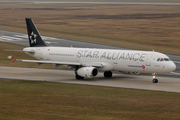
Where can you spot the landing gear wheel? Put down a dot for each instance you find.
(155, 80)
(79, 77)
(107, 74)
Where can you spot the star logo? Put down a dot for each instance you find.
(33, 38)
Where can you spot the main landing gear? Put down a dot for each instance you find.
(107, 74)
(155, 80)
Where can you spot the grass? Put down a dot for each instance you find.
(166, 1)
(144, 27)
(45, 100)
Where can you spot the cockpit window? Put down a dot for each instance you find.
(163, 59)
(167, 59)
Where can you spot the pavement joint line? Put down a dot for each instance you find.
(33, 74)
(170, 84)
(146, 82)
(132, 81)
(151, 82)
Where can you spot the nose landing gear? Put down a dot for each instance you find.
(155, 80)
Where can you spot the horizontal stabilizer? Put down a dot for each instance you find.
(32, 51)
(13, 50)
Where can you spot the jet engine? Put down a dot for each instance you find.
(88, 72)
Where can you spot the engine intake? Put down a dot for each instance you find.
(88, 72)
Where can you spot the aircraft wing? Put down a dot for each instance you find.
(52, 62)
(63, 63)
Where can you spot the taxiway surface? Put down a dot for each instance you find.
(95, 2)
(170, 84)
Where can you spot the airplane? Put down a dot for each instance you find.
(87, 62)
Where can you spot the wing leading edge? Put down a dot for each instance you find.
(98, 65)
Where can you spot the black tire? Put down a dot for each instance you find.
(155, 80)
(107, 74)
(79, 77)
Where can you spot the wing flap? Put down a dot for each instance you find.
(98, 65)
(52, 62)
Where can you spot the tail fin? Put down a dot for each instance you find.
(35, 39)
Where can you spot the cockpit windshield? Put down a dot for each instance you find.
(163, 59)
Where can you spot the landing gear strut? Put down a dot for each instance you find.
(107, 74)
(155, 80)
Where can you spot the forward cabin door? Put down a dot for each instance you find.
(148, 60)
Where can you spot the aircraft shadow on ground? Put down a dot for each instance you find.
(103, 78)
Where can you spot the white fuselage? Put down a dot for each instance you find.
(112, 60)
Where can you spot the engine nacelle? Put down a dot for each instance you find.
(88, 72)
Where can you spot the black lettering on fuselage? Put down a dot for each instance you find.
(117, 56)
(79, 54)
(128, 56)
(95, 54)
(113, 56)
(142, 57)
(103, 55)
(85, 51)
(122, 56)
(89, 55)
(108, 56)
(136, 57)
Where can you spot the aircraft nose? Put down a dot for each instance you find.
(172, 66)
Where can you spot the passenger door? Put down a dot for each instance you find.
(148, 60)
